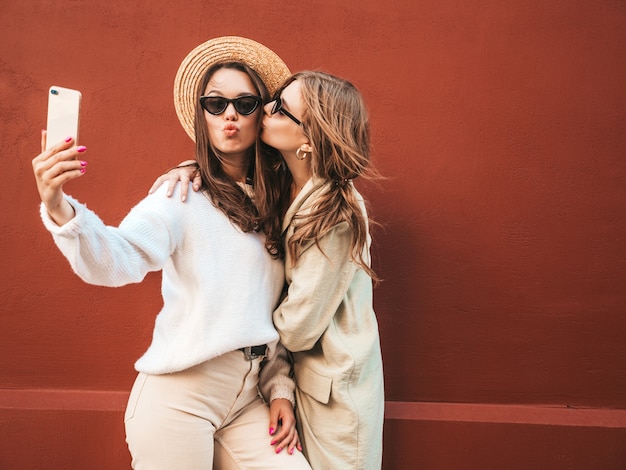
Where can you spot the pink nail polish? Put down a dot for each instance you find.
(278, 450)
(81, 149)
(291, 451)
(271, 431)
(68, 139)
(82, 170)
(82, 163)
(272, 443)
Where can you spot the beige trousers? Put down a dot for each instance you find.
(207, 417)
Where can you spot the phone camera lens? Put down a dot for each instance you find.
(54, 92)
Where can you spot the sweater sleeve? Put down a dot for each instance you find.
(319, 282)
(113, 256)
(275, 377)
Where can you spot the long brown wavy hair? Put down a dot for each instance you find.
(263, 213)
(336, 122)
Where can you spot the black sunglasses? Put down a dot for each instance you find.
(216, 105)
(278, 108)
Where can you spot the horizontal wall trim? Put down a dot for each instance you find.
(55, 399)
(506, 414)
(99, 400)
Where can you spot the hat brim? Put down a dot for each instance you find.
(265, 62)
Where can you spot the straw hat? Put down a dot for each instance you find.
(259, 58)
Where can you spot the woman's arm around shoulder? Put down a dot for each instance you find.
(184, 172)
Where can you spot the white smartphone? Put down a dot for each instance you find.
(63, 115)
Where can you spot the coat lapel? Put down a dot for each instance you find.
(299, 202)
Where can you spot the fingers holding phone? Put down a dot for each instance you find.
(53, 168)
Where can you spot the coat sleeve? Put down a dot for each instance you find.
(319, 282)
(275, 377)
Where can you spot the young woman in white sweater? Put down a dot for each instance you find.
(221, 276)
(320, 126)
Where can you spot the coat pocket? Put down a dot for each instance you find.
(313, 384)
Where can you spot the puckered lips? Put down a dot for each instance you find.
(230, 130)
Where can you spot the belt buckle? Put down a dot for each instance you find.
(247, 351)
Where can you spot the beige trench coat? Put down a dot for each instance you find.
(327, 321)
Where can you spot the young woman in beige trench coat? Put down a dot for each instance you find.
(319, 124)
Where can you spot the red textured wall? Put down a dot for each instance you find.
(501, 129)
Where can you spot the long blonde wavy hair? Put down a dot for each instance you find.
(336, 123)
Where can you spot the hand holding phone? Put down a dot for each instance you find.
(63, 115)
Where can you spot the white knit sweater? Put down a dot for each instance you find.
(219, 285)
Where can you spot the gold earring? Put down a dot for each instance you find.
(303, 156)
